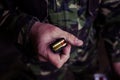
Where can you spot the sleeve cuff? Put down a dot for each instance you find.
(23, 36)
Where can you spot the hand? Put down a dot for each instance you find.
(43, 34)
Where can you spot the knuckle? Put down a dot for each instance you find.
(70, 37)
(55, 28)
(59, 65)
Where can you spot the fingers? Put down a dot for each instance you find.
(46, 34)
(72, 39)
(55, 59)
(69, 37)
(59, 59)
(66, 53)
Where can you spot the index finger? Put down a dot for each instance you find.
(72, 39)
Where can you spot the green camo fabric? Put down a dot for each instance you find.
(84, 19)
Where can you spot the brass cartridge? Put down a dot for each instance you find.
(58, 45)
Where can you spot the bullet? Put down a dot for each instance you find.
(58, 45)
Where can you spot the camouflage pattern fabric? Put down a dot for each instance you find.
(111, 33)
(85, 19)
(78, 17)
(73, 16)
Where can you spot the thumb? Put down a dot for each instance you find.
(73, 40)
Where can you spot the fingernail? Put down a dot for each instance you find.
(78, 42)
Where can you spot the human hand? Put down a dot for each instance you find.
(43, 34)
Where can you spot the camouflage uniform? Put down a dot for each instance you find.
(83, 18)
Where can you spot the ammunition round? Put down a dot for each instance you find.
(58, 45)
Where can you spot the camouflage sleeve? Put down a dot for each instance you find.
(16, 24)
(110, 9)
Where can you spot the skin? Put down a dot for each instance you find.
(43, 34)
